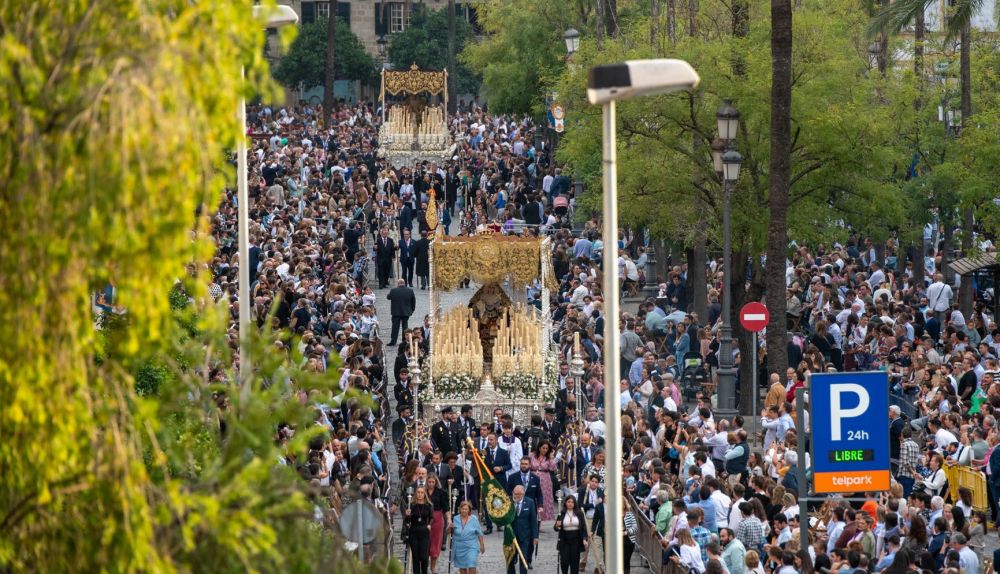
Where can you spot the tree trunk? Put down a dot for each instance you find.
(672, 22)
(697, 279)
(330, 70)
(965, 294)
(599, 23)
(780, 173)
(944, 268)
(741, 29)
(611, 18)
(915, 253)
(919, 30)
(692, 17)
(452, 71)
(654, 26)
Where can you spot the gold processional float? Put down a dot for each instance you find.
(492, 352)
(415, 130)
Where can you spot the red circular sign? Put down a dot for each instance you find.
(754, 317)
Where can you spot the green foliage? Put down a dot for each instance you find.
(306, 58)
(425, 43)
(521, 52)
(845, 150)
(111, 132)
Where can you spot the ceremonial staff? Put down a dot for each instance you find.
(406, 537)
(451, 527)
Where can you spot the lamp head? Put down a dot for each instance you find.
(572, 39)
(275, 16)
(618, 82)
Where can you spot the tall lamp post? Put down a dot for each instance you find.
(727, 162)
(607, 85)
(275, 17)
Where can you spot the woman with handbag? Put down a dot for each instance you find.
(438, 497)
(571, 524)
(418, 519)
(935, 483)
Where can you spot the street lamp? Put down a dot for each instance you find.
(607, 85)
(727, 164)
(572, 39)
(274, 17)
(382, 49)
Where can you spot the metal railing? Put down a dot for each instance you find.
(647, 539)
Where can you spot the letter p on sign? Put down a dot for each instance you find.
(837, 413)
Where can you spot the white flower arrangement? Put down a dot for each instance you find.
(454, 386)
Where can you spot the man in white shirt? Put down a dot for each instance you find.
(721, 502)
(939, 297)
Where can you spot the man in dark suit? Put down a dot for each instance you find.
(528, 480)
(993, 484)
(551, 425)
(407, 257)
(895, 432)
(525, 526)
(439, 467)
(404, 301)
(445, 433)
(385, 252)
(421, 255)
(584, 454)
(399, 425)
(467, 424)
(498, 461)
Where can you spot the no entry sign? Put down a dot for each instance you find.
(754, 317)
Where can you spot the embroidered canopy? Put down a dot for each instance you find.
(415, 81)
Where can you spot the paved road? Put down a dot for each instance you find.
(492, 561)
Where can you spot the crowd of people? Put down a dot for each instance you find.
(330, 221)
(721, 498)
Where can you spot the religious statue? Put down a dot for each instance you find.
(487, 306)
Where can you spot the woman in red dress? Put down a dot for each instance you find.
(438, 498)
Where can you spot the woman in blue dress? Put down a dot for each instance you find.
(467, 540)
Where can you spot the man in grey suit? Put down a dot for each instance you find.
(404, 301)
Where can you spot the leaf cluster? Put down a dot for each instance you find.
(305, 61)
(424, 42)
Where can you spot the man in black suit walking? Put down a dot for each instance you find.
(525, 528)
(407, 256)
(528, 480)
(404, 301)
(498, 461)
(385, 249)
(446, 434)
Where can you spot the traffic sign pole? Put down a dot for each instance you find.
(756, 391)
(800, 446)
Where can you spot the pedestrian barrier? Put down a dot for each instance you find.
(648, 540)
(906, 408)
(974, 480)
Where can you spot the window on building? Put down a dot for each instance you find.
(322, 10)
(399, 19)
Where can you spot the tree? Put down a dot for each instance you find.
(425, 43)
(515, 79)
(843, 149)
(305, 62)
(894, 18)
(779, 181)
(114, 118)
